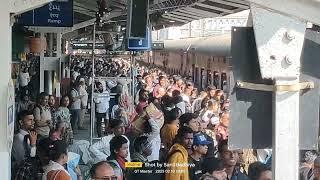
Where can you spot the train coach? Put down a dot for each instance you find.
(206, 60)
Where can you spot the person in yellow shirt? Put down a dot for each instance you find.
(177, 164)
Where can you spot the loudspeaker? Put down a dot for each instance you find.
(138, 17)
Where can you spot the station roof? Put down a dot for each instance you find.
(164, 13)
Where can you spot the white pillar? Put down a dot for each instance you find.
(5, 73)
(286, 133)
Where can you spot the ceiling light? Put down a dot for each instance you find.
(172, 21)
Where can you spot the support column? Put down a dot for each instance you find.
(42, 37)
(5, 63)
(59, 73)
(279, 41)
(286, 133)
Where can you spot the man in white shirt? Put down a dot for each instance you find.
(102, 107)
(24, 142)
(84, 100)
(75, 107)
(101, 149)
(24, 79)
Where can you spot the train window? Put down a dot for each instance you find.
(216, 80)
(223, 81)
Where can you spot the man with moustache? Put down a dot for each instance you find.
(230, 160)
(178, 154)
(24, 142)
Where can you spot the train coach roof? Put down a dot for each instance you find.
(215, 45)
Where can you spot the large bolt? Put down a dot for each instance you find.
(290, 35)
(288, 60)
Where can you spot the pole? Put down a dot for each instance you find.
(92, 117)
(5, 63)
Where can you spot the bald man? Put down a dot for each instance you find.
(102, 170)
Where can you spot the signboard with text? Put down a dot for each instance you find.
(58, 13)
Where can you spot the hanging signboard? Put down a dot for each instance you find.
(141, 44)
(58, 13)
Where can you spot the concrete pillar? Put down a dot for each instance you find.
(5, 63)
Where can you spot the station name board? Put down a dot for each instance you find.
(58, 13)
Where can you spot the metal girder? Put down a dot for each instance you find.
(214, 8)
(279, 42)
(185, 15)
(307, 10)
(243, 2)
(176, 16)
(176, 19)
(230, 4)
(83, 11)
(190, 13)
(21, 6)
(202, 12)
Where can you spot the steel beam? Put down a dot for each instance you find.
(179, 17)
(202, 12)
(214, 8)
(21, 6)
(83, 11)
(230, 4)
(191, 13)
(186, 15)
(307, 10)
(279, 41)
(176, 19)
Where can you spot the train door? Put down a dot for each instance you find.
(203, 78)
(209, 78)
(216, 80)
(193, 72)
(224, 81)
(196, 77)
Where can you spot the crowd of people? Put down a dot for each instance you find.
(176, 131)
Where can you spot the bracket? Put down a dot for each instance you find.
(275, 88)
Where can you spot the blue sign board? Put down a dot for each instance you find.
(58, 13)
(141, 44)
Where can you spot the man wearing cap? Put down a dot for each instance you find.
(101, 149)
(199, 150)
